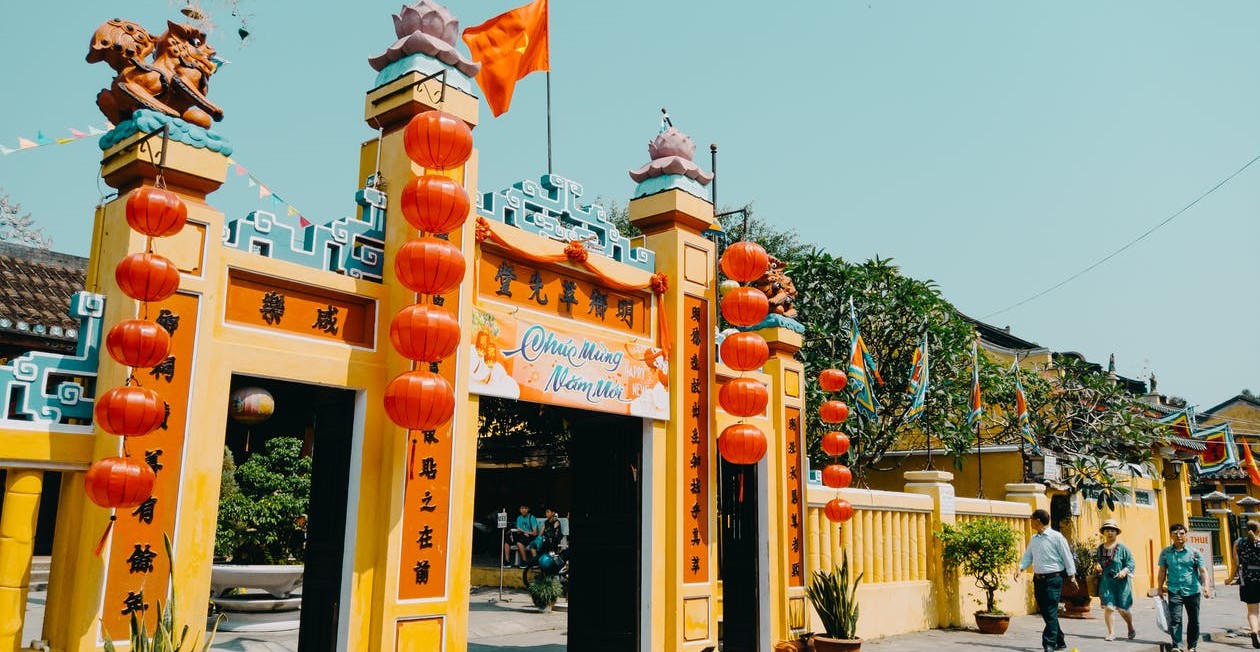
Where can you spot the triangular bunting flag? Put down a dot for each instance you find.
(5, 151)
(251, 182)
(93, 131)
(303, 221)
(230, 161)
(240, 171)
(77, 134)
(292, 211)
(26, 143)
(276, 201)
(262, 191)
(42, 139)
(109, 125)
(63, 141)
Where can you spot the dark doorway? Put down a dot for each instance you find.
(738, 559)
(326, 525)
(295, 460)
(1060, 510)
(605, 451)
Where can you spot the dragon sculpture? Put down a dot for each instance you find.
(174, 83)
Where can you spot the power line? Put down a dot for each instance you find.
(1127, 245)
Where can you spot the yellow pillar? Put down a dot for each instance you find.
(1033, 495)
(937, 484)
(1176, 490)
(17, 540)
(672, 221)
(785, 485)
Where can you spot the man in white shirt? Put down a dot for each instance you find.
(1050, 558)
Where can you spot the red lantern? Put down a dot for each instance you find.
(838, 510)
(429, 266)
(744, 397)
(419, 400)
(130, 411)
(745, 306)
(156, 212)
(744, 351)
(837, 476)
(138, 343)
(437, 140)
(835, 443)
(147, 277)
(832, 380)
(833, 412)
(435, 204)
(742, 443)
(744, 261)
(424, 333)
(119, 483)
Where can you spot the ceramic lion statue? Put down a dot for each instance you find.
(174, 83)
(778, 288)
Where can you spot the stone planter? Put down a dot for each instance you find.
(279, 581)
(992, 623)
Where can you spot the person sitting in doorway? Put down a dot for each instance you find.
(548, 539)
(527, 529)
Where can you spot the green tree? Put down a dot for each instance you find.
(1087, 416)
(985, 549)
(265, 522)
(893, 310)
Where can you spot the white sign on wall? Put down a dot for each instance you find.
(1202, 541)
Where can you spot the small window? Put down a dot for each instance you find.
(1144, 497)
(1236, 489)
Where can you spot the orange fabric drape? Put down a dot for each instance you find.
(575, 252)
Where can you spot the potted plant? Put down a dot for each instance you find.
(166, 637)
(545, 591)
(835, 600)
(986, 549)
(1076, 600)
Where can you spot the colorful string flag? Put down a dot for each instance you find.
(976, 413)
(1021, 414)
(266, 192)
(1249, 464)
(509, 47)
(918, 380)
(861, 368)
(41, 140)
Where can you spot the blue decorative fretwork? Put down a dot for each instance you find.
(54, 388)
(550, 208)
(354, 246)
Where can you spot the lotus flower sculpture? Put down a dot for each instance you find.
(671, 153)
(427, 28)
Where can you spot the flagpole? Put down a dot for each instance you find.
(549, 121)
(979, 463)
(927, 407)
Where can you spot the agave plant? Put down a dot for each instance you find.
(165, 636)
(835, 599)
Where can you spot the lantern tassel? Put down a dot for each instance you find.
(741, 487)
(247, 431)
(411, 459)
(100, 545)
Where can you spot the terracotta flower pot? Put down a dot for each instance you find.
(825, 644)
(992, 623)
(1076, 601)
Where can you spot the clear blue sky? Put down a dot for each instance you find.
(995, 147)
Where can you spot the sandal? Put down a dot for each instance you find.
(1133, 633)
(1255, 640)
(1109, 637)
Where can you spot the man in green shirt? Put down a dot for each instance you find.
(1183, 578)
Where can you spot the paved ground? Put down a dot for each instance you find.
(514, 625)
(1220, 615)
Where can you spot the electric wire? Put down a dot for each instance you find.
(1129, 244)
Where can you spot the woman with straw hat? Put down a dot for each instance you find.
(1115, 582)
(1247, 575)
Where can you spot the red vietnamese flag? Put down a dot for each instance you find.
(1249, 463)
(508, 47)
